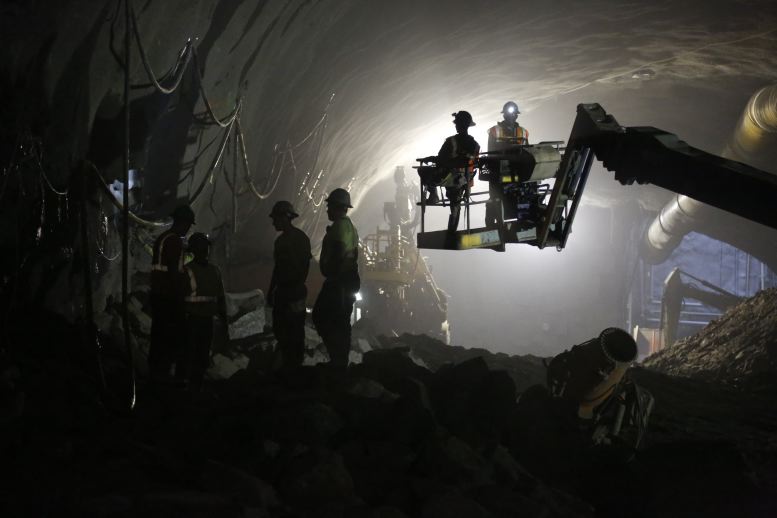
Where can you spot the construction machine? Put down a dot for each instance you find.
(538, 191)
(676, 291)
(398, 293)
(542, 184)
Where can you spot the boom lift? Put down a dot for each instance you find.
(535, 212)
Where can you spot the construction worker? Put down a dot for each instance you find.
(339, 265)
(505, 135)
(457, 157)
(167, 292)
(204, 302)
(287, 292)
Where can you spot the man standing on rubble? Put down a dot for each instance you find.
(287, 292)
(339, 265)
(204, 301)
(167, 292)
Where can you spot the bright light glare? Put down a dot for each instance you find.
(358, 296)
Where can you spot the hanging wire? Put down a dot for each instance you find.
(48, 182)
(247, 170)
(105, 227)
(320, 122)
(176, 71)
(187, 53)
(214, 164)
(229, 119)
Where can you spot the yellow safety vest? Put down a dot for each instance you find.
(345, 266)
(205, 289)
(505, 135)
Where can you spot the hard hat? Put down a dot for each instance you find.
(510, 107)
(183, 213)
(199, 242)
(464, 117)
(340, 197)
(283, 208)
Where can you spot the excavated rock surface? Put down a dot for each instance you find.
(385, 438)
(740, 348)
(525, 371)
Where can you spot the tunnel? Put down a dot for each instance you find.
(116, 112)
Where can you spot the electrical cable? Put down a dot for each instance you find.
(247, 170)
(214, 164)
(178, 68)
(229, 119)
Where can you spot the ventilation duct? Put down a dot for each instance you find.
(753, 142)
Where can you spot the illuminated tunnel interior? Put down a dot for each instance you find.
(268, 100)
(388, 77)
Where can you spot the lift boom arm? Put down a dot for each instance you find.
(650, 155)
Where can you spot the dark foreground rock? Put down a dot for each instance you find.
(386, 438)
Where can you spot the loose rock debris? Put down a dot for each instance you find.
(739, 349)
(416, 428)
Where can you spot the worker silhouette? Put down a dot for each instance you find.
(503, 137)
(457, 161)
(287, 292)
(167, 291)
(204, 302)
(339, 265)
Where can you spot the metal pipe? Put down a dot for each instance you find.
(751, 142)
(125, 208)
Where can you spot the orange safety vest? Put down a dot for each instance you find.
(469, 170)
(159, 256)
(167, 265)
(504, 135)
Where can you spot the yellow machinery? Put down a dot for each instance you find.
(398, 293)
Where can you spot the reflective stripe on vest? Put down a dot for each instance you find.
(193, 297)
(470, 168)
(193, 285)
(159, 267)
(197, 298)
(520, 135)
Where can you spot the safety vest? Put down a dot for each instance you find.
(166, 263)
(205, 289)
(166, 239)
(466, 156)
(502, 134)
(343, 268)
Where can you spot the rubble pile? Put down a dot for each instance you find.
(413, 428)
(739, 349)
(525, 371)
(384, 438)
